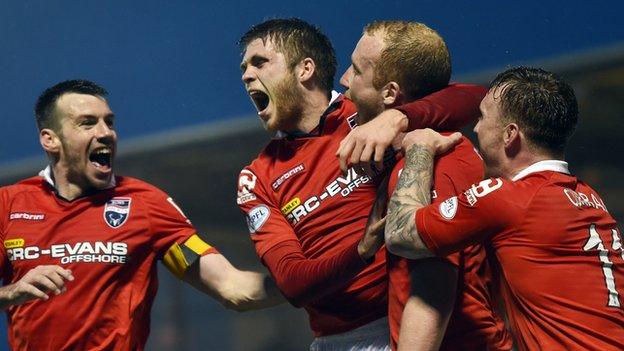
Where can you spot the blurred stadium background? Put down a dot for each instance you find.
(186, 125)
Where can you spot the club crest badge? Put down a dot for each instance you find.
(117, 211)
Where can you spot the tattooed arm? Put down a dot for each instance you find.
(413, 191)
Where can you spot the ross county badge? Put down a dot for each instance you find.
(116, 211)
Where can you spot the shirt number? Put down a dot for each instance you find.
(594, 242)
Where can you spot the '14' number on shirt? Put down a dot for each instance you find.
(595, 242)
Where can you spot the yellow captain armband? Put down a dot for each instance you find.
(179, 257)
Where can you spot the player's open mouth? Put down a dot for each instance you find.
(101, 158)
(260, 100)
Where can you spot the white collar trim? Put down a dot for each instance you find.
(47, 176)
(334, 95)
(546, 165)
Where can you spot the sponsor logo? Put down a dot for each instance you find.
(11, 243)
(342, 185)
(117, 211)
(483, 188)
(298, 168)
(89, 252)
(448, 208)
(246, 183)
(580, 200)
(256, 217)
(470, 196)
(291, 205)
(27, 216)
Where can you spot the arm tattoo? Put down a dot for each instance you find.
(412, 192)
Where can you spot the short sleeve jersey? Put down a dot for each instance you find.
(558, 251)
(110, 241)
(474, 324)
(295, 192)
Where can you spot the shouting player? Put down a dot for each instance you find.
(306, 218)
(558, 250)
(80, 244)
(393, 63)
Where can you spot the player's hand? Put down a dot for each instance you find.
(432, 140)
(368, 142)
(373, 237)
(37, 284)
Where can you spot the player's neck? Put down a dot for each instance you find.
(65, 188)
(523, 161)
(314, 105)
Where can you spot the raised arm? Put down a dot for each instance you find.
(446, 110)
(413, 191)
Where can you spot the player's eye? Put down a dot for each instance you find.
(88, 122)
(356, 71)
(258, 61)
(110, 122)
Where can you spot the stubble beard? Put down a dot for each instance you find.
(288, 101)
(367, 110)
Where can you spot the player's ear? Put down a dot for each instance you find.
(391, 94)
(50, 141)
(304, 71)
(511, 138)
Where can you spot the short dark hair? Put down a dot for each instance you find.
(297, 40)
(46, 102)
(543, 106)
(414, 55)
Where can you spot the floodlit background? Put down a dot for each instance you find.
(186, 124)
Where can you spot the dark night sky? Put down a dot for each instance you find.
(172, 63)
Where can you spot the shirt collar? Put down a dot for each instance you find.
(47, 176)
(546, 165)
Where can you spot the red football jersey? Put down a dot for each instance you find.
(558, 251)
(474, 325)
(294, 192)
(109, 240)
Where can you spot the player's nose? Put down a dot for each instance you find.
(248, 75)
(103, 130)
(345, 80)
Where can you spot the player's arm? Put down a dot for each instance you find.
(37, 284)
(429, 306)
(413, 191)
(303, 279)
(448, 109)
(200, 265)
(235, 289)
(299, 278)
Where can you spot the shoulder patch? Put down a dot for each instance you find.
(256, 217)
(448, 208)
(246, 184)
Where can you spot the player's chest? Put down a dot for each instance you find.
(108, 232)
(312, 184)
